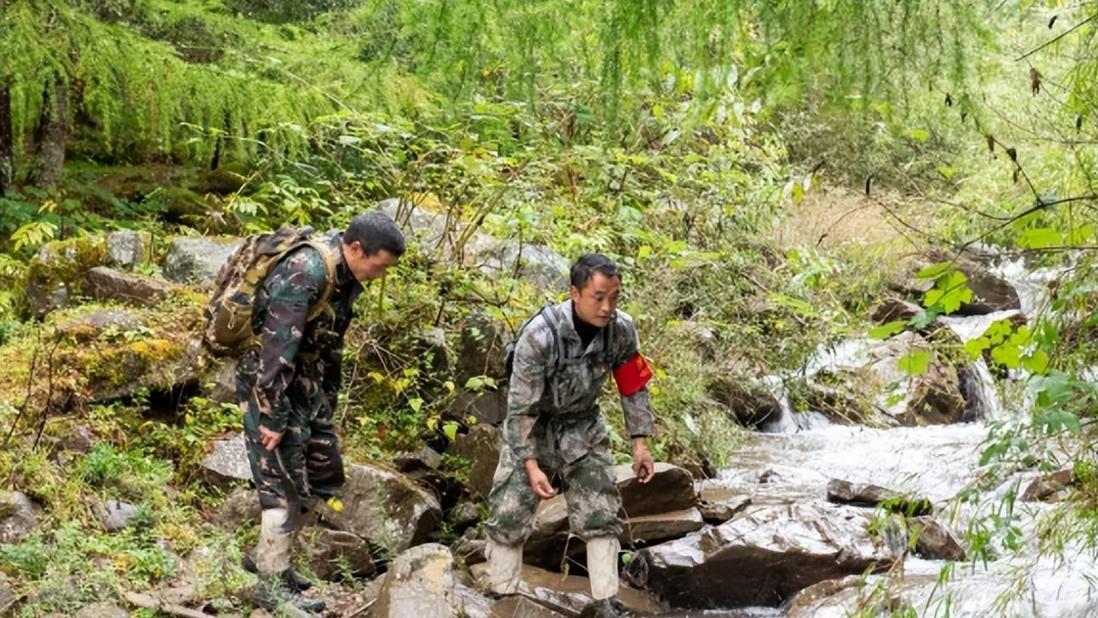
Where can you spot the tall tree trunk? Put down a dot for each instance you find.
(7, 145)
(53, 133)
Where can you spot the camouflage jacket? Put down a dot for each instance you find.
(296, 363)
(536, 425)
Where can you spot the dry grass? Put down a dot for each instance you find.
(830, 217)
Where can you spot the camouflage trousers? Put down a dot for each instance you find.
(309, 449)
(589, 490)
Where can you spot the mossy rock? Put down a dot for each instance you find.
(97, 353)
(56, 274)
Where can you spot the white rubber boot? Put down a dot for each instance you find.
(272, 554)
(504, 567)
(602, 567)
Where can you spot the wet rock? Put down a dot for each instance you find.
(806, 599)
(747, 404)
(935, 397)
(420, 582)
(761, 557)
(648, 529)
(334, 555)
(671, 489)
(719, 503)
(934, 541)
(126, 248)
(894, 310)
(196, 260)
(481, 445)
(102, 610)
(1051, 487)
(18, 517)
(865, 494)
(239, 507)
(107, 284)
(114, 515)
(571, 594)
(227, 461)
(522, 607)
(385, 508)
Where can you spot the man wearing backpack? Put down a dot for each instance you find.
(561, 361)
(288, 381)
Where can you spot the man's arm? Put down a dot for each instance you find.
(291, 286)
(525, 391)
(631, 373)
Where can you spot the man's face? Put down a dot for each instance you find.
(597, 300)
(367, 267)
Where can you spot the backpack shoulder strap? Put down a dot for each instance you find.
(328, 255)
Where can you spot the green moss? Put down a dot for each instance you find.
(66, 261)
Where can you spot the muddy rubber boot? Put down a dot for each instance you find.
(272, 594)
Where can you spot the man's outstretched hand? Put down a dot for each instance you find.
(643, 466)
(538, 481)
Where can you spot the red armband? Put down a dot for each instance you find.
(632, 376)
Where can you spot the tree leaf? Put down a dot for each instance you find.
(915, 363)
(884, 331)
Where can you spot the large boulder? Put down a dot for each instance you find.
(649, 529)
(1052, 487)
(539, 265)
(55, 276)
(227, 461)
(863, 381)
(481, 445)
(747, 404)
(671, 489)
(761, 557)
(385, 508)
(18, 517)
(719, 503)
(662, 508)
(571, 594)
(127, 248)
(196, 260)
(421, 582)
(109, 354)
(335, 555)
(107, 284)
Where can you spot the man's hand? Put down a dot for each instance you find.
(538, 481)
(269, 439)
(643, 466)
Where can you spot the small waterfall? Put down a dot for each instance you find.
(981, 397)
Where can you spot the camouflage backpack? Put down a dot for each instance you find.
(560, 358)
(230, 310)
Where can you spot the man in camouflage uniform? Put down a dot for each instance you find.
(554, 428)
(288, 386)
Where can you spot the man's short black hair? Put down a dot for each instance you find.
(590, 263)
(375, 231)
